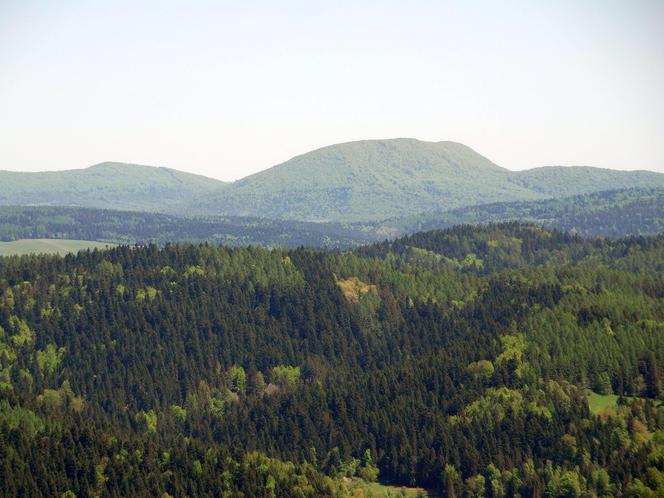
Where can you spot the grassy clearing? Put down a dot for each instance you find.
(600, 402)
(362, 489)
(48, 246)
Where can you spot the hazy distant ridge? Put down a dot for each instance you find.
(378, 179)
(104, 185)
(368, 180)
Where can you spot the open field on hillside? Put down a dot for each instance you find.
(600, 402)
(48, 246)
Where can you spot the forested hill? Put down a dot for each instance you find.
(105, 185)
(367, 180)
(460, 360)
(612, 213)
(371, 180)
(133, 227)
(564, 181)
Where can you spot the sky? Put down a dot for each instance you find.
(226, 89)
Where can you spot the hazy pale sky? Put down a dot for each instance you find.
(226, 89)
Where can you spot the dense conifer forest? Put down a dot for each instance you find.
(461, 361)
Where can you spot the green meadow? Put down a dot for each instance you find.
(49, 246)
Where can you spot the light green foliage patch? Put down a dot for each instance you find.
(6, 379)
(514, 348)
(49, 359)
(62, 397)
(285, 375)
(7, 300)
(493, 406)
(52, 398)
(109, 269)
(238, 379)
(217, 406)
(179, 412)
(7, 354)
(194, 271)
(147, 294)
(22, 335)
(18, 417)
(148, 419)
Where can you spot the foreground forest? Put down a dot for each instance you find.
(461, 361)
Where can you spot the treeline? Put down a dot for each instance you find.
(455, 360)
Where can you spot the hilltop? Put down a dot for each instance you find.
(371, 180)
(104, 185)
(368, 180)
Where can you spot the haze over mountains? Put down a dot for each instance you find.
(364, 181)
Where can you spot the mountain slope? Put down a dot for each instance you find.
(105, 185)
(613, 213)
(367, 180)
(378, 179)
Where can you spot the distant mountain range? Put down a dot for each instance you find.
(363, 181)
